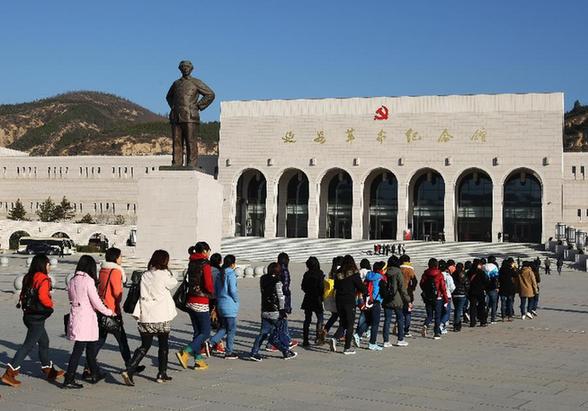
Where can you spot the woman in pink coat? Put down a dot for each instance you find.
(83, 322)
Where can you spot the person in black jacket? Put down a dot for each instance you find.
(477, 294)
(507, 290)
(347, 284)
(459, 295)
(314, 287)
(272, 310)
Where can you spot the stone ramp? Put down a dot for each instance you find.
(257, 249)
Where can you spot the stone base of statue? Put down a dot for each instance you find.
(177, 208)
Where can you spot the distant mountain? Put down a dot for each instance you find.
(576, 128)
(90, 123)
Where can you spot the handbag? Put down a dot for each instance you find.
(109, 324)
(180, 296)
(132, 296)
(65, 323)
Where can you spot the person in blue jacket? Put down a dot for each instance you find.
(227, 300)
(373, 277)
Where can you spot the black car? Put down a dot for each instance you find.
(42, 248)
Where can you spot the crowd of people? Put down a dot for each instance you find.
(476, 292)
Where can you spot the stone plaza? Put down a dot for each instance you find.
(537, 364)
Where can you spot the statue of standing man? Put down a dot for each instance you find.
(185, 103)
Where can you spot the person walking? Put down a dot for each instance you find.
(37, 305)
(347, 284)
(559, 264)
(272, 311)
(459, 295)
(477, 294)
(313, 287)
(394, 298)
(410, 283)
(434, 296)
(201, 289)
(227, 300)
(449, 287)
(507, 289)
(216, 266)
(82, 327)
(371, 307)
(547, 263)
(154, 312)
(527, 289)
(329, 302)
(491, 270)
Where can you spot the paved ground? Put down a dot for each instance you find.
(529, 365)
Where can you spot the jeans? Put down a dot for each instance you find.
(407, 317)
(332, 319)
(347, 315)
(533, 303)
(201, 327)
(308, 320)
(267, 326)
(446, 313)
(400, 326)
(506, 306)
(492, 304)
(458, 306)
(525, 305)
(228, 327)
(363, 322)
(121, 339)
(434, 309)
(36, 334)
(146, 342)
(478, 309)
(372, 321)
(74, 358)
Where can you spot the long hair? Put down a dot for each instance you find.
(215, 260)
(159, 260)
(228, 261)
(336, 265)
(87, 264)
(313, 265)
(38, 265)
(348, 265)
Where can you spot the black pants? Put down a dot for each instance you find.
(347, 320)
(478, 309)
(36, 334)
(308, 320)
(74, 358)
(121, 339)
(146, 342)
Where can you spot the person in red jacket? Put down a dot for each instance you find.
(434, 296)
(201, 289)
(35, 300)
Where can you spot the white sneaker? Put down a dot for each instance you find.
(401, 343)
(523, 317)
(333, 345)
(350, 351)
(444, 330)
(374, 347)
(387, 344)
(530, 316)
(534, 313)
(356, 340)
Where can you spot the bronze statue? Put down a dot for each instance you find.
(184, 100)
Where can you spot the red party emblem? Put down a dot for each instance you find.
(381, 113)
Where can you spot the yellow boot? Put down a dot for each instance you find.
(200, 364)
(183, 358)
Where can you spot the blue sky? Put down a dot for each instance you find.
(297, 49)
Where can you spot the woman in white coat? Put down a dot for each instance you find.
(154, 312)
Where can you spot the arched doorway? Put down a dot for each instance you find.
(474, 206)
(336, 204)
(427, 205)
(99, 242)
(250, 210)
(292, 204)
(522, 221)
(59, 234)
(14, 239)
(381, 200)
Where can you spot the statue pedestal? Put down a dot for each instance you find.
(177, 208)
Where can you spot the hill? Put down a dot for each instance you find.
(576, 128)
(90, 123)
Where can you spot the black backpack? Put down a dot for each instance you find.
(429, 293)
(387, 292)
(30, 304)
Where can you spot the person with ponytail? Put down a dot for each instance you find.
(37, 305)
(227, 298)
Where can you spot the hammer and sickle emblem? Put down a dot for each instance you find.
(381, 113)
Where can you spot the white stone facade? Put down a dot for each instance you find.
(497, 134)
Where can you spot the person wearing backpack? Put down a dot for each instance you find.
(434, 296)
(372, 307)
(227, 302)
(313, 287)
(410, 283)
(37, 305)
(199, 277)
(491, 270)
(449, 287)
(477, 294)
(394, 299)
(459, 295)
(507, 289)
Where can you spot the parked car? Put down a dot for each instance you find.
(42, 248)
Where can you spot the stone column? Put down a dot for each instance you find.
(271, 208)
(449, 211)
(402, 217)
(497, 193)
(357, 212)
(313, 209)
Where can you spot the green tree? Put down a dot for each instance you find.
(577, 105)
(17, 212)
(119, 220)
(64, 210)
(86, 219)
(46, 211)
